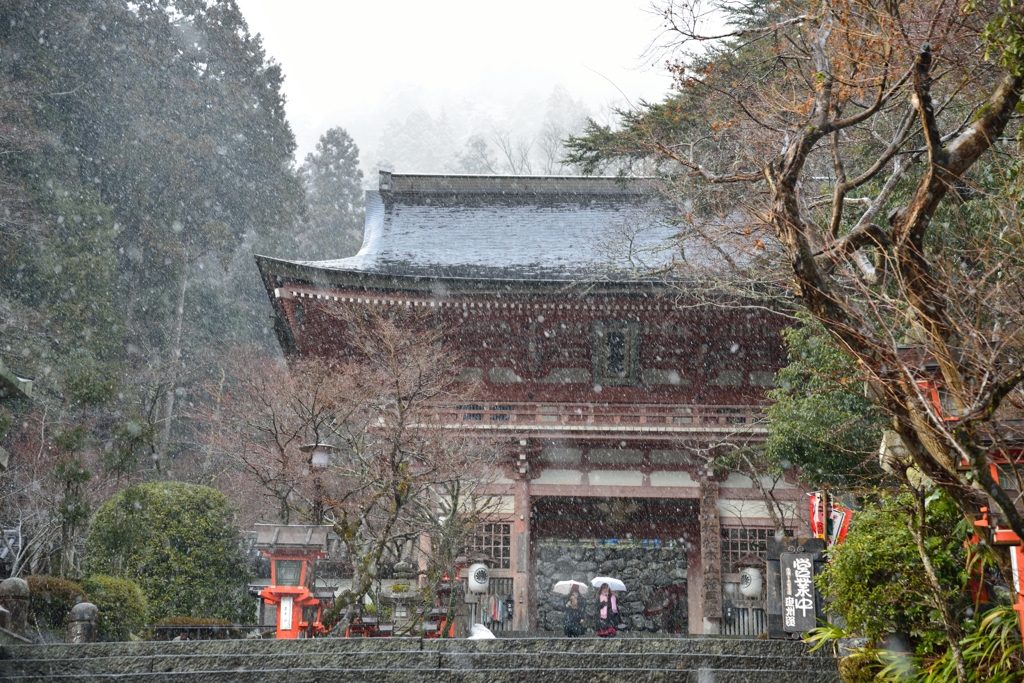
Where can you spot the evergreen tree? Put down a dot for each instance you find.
(335, 198)
(163, 149)
(176, 541)
(145, 157)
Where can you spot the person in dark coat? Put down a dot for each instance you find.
(573, 626)
(607, 612)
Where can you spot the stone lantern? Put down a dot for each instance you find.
(14, 595)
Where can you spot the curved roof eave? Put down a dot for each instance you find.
(314, 274)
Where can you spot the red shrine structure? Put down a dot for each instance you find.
(1004, 535)
(611, 391)
(1005, 441)
(293, 551)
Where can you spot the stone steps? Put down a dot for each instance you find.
(687, 660)
(316, 675)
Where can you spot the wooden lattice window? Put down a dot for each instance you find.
(501, 413)
(740, 544)
(493, 539)
(472, 412)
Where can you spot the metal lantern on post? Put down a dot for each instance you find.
(319, 458)
(320, 454)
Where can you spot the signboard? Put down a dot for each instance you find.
(798, 608)
(285, 613)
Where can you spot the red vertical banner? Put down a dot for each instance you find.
(819, 514)
(839, 524)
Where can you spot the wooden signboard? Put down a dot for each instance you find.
(792, 548)
(798, 603)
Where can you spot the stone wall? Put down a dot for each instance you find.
(649, 574)
(400, 660)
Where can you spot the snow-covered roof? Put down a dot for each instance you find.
(13, 386)
(547, 228)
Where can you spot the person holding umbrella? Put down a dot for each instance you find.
(573, 626)
(607, 612)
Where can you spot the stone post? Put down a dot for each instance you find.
(82, 623)
(5, 618)
(14, 598)
(711, 556)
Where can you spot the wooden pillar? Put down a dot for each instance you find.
(423, 560)
(711, 557)
(694, 582)
(522, 580)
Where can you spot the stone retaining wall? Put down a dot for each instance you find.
(645, 571)
(401, 660)
(710, 645)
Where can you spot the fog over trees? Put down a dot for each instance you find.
(146, 158)
(526, 139)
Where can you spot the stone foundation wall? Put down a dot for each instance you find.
(400, 660)
(647, 573)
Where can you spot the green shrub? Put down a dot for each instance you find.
(992, 648)
(877, 583)
(122, 606)
(192, 621)
(50, 601)
(193, 627)
(176, 541)
(858, 668)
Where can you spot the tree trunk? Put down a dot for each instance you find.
(953, 631)
(67, 552)
(775, 511)
(167, 414)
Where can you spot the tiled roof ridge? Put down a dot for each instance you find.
(424, 183)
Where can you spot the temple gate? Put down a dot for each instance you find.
(611, 389)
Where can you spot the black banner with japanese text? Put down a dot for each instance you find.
(798, 607)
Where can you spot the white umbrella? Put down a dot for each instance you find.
(481, 632)
(614, 584)
(565, 587)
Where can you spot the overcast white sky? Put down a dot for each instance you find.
(358, 63)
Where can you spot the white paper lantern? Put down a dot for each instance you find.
(751, 582)
(321, 456)
(478, 577)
